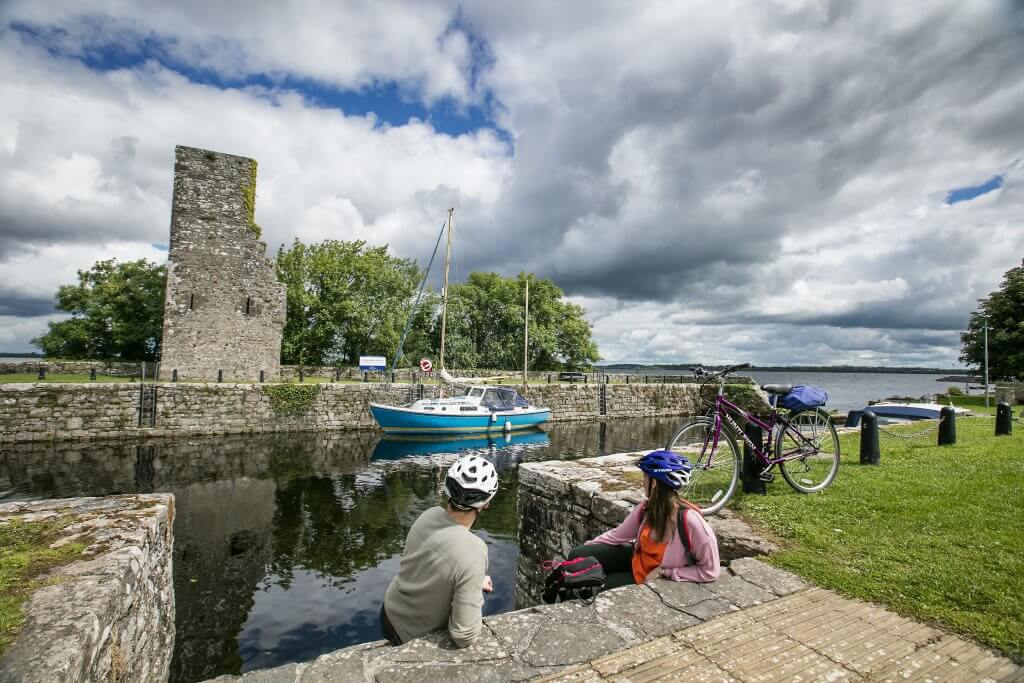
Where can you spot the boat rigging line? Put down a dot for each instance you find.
(412, 312)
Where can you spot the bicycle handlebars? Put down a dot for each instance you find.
(729, 369)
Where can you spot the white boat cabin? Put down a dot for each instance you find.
(478, 400)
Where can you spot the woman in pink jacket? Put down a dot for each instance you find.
(649, 544)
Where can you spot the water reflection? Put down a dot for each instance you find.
(392, 447)
(284, 543)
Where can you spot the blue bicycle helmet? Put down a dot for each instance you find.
(669, 468)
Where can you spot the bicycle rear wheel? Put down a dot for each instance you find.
(715, 468)
(811, 445)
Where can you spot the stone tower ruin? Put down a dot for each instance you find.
(224, 308)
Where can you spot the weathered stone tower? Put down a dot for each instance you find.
(224, 308)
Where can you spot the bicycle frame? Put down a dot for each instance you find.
(724, 409)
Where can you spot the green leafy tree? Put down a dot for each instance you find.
(117, 312)
(1004, 310)
(346, 299)
(485, 325)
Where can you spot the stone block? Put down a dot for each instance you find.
(584, 491)
(610, 508)
(640, 611)
(561, 643)
(110, 614)
(736, 591)
(767, 577)
(682, 595)
(438, 647)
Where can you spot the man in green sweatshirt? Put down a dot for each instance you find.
(443, 571)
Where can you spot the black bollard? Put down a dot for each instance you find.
(947, 426)
(392, 378)
(92, 374)
(1004, 419)
(174, 375)
(751, 474)
(549, 378)
(869, 451)
(302, 375)
(606, 378)
(263, 376)
(585, 378)
(220, 375)
(42, 373)
(366, 377)
(627, 379)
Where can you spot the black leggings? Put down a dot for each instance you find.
(617, 561)
(387, 630)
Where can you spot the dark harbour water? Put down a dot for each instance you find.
(284, 544)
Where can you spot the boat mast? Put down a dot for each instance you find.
(444, 288)
(526, 334)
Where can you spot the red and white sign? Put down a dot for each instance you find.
(426, 365)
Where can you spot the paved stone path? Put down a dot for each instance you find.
(810, 635)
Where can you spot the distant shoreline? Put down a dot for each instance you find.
(953, 375)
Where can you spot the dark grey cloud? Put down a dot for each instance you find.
(25, 307)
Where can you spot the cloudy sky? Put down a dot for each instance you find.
(780, 182)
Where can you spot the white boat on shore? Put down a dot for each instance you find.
(891, 412)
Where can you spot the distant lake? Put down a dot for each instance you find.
(850, 390)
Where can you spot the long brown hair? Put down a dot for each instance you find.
(660, 509)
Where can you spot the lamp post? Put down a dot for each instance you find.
(986, 360)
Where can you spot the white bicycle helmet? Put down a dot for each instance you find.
(471, 483)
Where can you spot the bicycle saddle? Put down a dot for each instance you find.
(777, 388)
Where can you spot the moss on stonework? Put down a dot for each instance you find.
(635, 477)
(249, 196)
(291, 400)
(743, 395)
(25, 556)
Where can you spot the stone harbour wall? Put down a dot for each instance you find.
(108, 616)
(224, 308)
(564, 503)
(46, 412)
(50, 412)
(72, 367)
(57, 411)
(1010, 393)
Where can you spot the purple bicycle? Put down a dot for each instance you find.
(803, 444)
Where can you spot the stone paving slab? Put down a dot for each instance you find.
(811, 634)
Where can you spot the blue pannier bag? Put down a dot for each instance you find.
(804, 398)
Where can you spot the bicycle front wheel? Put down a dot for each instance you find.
(810, 445)
(716, 468)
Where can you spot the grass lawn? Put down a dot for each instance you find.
(24, 555)
(932, 533)
(976, 404)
